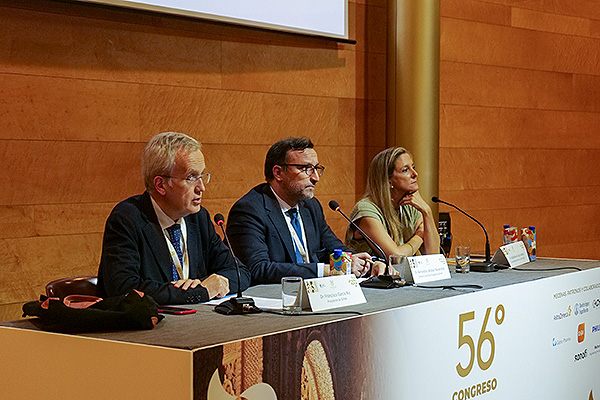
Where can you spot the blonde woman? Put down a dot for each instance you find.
(392, 212)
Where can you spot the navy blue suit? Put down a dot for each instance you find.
(260, 236)
(135, 254)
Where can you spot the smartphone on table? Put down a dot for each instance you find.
(175, 310)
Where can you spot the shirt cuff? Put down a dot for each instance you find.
(320, 270)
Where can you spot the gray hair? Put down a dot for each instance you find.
(158, 157)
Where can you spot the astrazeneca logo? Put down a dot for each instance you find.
(581, 333)
(582, 308)
(558, 342)
(562, 315)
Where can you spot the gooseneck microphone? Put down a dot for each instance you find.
(335, 206)
(486, 266)
(239, 304)
(385, 281)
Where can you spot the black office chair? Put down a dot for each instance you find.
(76, 285)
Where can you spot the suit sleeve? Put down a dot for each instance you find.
(218, 257)
(260, 248)
(124, 251)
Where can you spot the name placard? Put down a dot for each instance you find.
(431, 267)
(332, 292)
(512, 254)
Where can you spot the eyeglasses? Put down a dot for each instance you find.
(308, 169)
(193, 179)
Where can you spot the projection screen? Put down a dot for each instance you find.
(327, 18)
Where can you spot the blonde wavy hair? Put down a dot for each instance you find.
(379, 190)
(158, 157)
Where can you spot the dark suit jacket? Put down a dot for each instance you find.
(260, 236)
(135, 254)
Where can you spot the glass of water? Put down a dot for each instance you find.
(400, 264)
(463, 259)
(291, 294)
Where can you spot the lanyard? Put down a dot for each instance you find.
(295, 238)
(175, 257)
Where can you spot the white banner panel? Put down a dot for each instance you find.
(536, 340)
(316, 17)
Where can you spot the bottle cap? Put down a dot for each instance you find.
(337, 253)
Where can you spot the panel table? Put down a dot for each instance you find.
(409, 342)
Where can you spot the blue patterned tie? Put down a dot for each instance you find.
(293, 213)
(175, 236)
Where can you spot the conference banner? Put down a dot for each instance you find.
(535, 340)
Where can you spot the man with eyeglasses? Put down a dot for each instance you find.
(163, 242)
(278, 228)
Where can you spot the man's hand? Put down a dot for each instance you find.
(361, 262)
(379, 269)
(185, 284)
(216, 285)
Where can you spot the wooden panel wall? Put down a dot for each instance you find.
(84, 87)
(519, 121)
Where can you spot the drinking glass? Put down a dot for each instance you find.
(291, 294)
(463, 259)
(400, 264)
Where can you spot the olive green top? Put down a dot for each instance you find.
(366, 208)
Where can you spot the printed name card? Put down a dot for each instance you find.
(332, 292)
(512, 254)
(431, 267)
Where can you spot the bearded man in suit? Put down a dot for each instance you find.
(278, 228)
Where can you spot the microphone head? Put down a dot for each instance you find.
(435, 199)
(334, 205)
(219, 219)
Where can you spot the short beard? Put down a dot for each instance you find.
(303, 194)
(308, 196)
